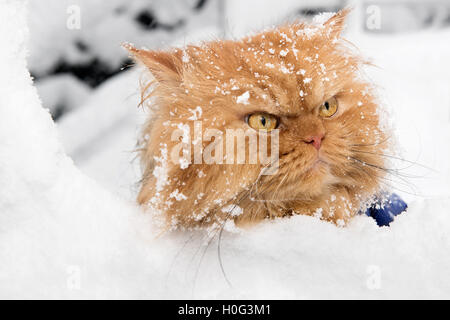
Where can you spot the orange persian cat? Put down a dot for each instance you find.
(300, 81)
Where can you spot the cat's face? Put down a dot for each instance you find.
(299, 81)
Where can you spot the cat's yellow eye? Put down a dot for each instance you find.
(328, 108)
(262, 121)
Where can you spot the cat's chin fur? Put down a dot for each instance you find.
(288, 72)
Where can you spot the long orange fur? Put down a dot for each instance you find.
(288, 71)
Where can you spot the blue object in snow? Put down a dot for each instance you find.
(384, 210)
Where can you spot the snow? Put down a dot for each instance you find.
(233, 210)
(323, 17)
(68, 230)
(415, 88)
(101, 24)
(196, 113)
(284, 53)
(62, 90)
(71, 36)
(243, 98)
(104, 129)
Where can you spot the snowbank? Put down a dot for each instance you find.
(64, 236)
(51, 214)
(104, 23)
(100, 135)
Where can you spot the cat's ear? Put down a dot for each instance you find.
(164, 66)
(336, 23)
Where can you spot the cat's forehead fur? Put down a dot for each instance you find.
(287, 70)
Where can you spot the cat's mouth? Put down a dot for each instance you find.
(318, 167)
(317, 164)
(307, 180)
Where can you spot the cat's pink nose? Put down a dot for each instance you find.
(316, 140)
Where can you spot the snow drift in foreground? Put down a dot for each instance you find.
(64, 236)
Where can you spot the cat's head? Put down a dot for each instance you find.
(298, 80)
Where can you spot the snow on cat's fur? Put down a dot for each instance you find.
(287, 73)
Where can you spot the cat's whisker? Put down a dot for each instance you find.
(388, 185)
(258, 178)
(413, 163)
(218, 231)
(245, 194)
(400, 181)
(388, 170)
(211, 238)
(371, 144)
(405, 182)
(279, 185)
(172, 264)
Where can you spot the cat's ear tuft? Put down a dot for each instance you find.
(336, 23)
(165, 66)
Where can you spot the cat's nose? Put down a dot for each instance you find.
(315, 140)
